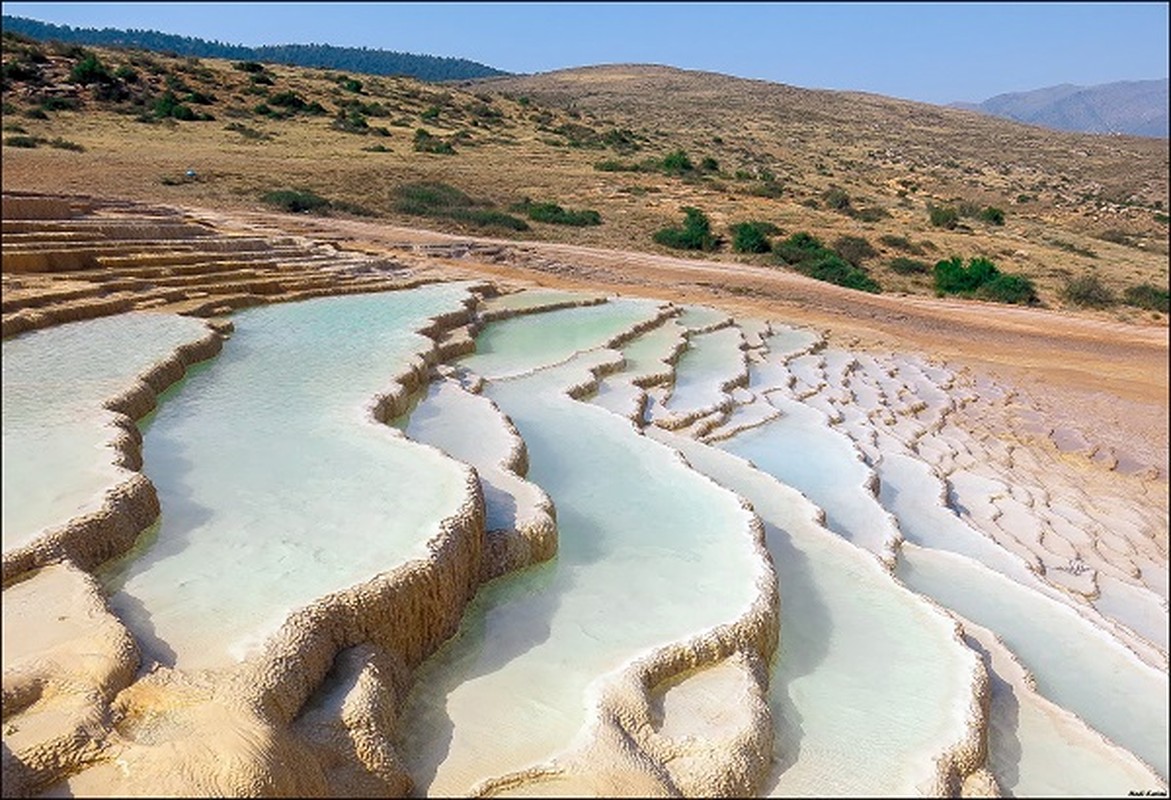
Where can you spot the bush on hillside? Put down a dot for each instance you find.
(296, 202)
(909, 266)
(556, 215)
(676, 163)
(752, 237)
(809, 256)
(1016, 289)
(943, 216)
(89, 70)
(836, 198)
(427, 142)
(952, 277)
(434, 199)
(981, 279)
(1088, 290)
(992, 215)
(1148, 296)
(696, 233)
(854, 249)
(901, 243)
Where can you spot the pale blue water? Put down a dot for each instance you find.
(1075, 664)
(649, 552)
(518, 345)
(57, 435)
(801, 450)
(710, 360)
(868, 684)
(275, 483)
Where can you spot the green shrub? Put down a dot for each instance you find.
(870, 214)
(290, 100)
(424, 198)
(943, 216)
(1009, 289)
(296, 201)
(614, 165)
(1148, 296)
(676, 163)
(709, 164)
(854, 249)
(199, 98)
(22, 141)
(434, 199)
(249, 66)
(1088, 290)
(752, 237)
(696, 233)
(831, 268)
(952, 277)
(806, 253)
(169, 106)
(556, 215)
(621, 140)
(836, 198)
(65, 144)
(909, 266)
(351, 85)
(18, 71)
(901, 243)
(90, 70)
(992, 215)
(799, 247)
(126, 73)
(426, 142)
(60, 104)
(983, 280)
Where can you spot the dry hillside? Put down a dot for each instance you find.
(828, 163)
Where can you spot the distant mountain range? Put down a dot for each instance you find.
(353, 59)
(1138, 108)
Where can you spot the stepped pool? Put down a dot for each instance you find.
(649, 552)
(276, 484)
(59, 456)
(781, 460)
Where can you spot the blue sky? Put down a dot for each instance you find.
(936, 53)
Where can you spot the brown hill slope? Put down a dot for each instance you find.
(831, 164)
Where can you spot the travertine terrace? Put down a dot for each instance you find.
(669, 542)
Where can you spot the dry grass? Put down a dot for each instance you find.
(884, 153)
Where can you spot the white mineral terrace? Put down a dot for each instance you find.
(704, 375)
(962, 608)
(870, 684)
(59, 455)
(277, 485)
(649, 553)
(1075, 664)
(519, 345)
(470, 428)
